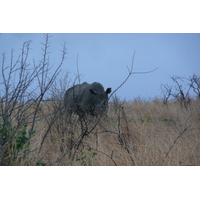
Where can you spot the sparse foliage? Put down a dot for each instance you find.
(23, 88)
(182, 95)
(195, 84)
(181, 91)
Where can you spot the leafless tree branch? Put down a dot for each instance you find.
(130, 72)
(18, 95)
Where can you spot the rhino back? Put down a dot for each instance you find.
(74, 95)
(97, 86)
(86, 97)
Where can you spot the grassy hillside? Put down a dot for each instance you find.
(134, 133)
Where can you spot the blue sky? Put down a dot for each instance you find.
(104, 58)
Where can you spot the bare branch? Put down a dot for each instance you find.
(130, 72)
(19, 96)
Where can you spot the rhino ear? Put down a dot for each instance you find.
(108, 90)
(92, 91)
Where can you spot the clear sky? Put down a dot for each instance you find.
(104, 57)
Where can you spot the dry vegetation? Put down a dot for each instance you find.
(135, 133)
(37, 132)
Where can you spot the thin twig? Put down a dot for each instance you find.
(130, 70)
(176, 140)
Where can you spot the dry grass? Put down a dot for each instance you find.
(135, 133)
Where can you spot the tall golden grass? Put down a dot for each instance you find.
(134, 133)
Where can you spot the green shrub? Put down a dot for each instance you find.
(15, 142)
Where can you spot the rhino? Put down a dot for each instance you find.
(83, 99)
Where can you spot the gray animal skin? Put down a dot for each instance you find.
(86, 98)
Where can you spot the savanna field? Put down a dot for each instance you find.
(134, 133)
(36, 131)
